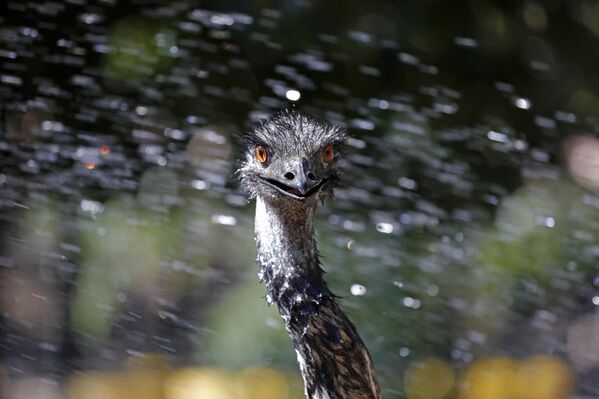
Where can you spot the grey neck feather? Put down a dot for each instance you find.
(287, 249)
(285, 235)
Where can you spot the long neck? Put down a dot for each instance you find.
(287, 251)
(333, 360)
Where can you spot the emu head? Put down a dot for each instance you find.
(291, 157)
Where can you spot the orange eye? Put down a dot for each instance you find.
(261, 154)
(328, 154)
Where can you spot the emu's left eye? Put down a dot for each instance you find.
(328, 154)
(261, 154)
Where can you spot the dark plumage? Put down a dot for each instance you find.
(290, 165)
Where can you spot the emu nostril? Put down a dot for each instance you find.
(289, 175)
(311, 176)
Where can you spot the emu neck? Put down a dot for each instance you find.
(333, 360)
(287, 249)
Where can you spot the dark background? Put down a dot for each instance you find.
(463, 241)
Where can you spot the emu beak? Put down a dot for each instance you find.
(301, 182)
(298, 182)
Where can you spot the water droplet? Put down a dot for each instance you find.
(497, 136)
(465, 42)
(407, 183)
(141, 110)
(293, 95)
(432, 290)
(225, 220)
(350, 245)
(385, 228)
(199, 184)
(522, 103)
(92, 207)
(357, 290)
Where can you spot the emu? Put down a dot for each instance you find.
(290, 165)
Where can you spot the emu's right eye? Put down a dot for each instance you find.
(328, 154)
(261, 154)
